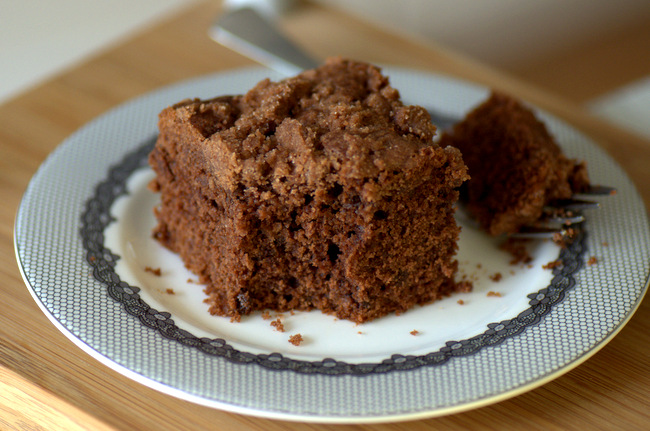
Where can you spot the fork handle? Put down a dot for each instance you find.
(246, 31)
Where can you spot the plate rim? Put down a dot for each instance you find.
(147, 381)
(167, 390)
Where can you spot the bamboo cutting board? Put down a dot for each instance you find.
(45, 380)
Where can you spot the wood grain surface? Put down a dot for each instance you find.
(46, 382)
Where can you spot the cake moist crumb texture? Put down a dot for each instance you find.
(515, 165)
(322, 191)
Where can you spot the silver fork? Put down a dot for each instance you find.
(246, 31)
(560, 216)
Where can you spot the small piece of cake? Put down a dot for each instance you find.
(516, 167)
(319, 191)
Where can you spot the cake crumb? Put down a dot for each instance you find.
(460, 302)
(492, 293)
(553, 264)
(414, 332)
(296, 339)
(170, 291)
(277, 324)
(592, 260)
(605, 244)
(359, 332)
(465, 286)
(496, 277)
(266, 315)
(563, 240)
(154, 271)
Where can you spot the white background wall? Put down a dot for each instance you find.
(504, 33)
(39, 38)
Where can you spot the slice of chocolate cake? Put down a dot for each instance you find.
(320, 191)
(516, 167)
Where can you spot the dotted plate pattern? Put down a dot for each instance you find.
(582, 308)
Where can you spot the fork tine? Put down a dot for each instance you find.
(596, 190)
(563, 213)
(566, 211)
(572, 205)
(538, 233)
(551, 225)
(571, 218)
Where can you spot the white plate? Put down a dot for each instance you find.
(83, 243)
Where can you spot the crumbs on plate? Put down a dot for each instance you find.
(553, 264)
(277, 324)
(155, 271)
(296, 339)
(566, 238)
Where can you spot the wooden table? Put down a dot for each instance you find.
(45, 380)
